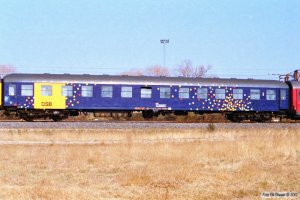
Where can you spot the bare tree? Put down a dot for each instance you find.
(133, 72)
(157, 70)
(186, 69)
(6, 69)
(201, 70)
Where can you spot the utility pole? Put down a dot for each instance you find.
(164, 42)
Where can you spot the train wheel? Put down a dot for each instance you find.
(57, 118)
(26, 118)
(234, 118)
(148, 114)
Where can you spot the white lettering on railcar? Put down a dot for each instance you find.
(158, 105)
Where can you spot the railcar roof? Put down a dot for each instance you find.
(295, 84)
(142, 80)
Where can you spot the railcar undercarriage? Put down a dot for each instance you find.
(254, 116)
(32, 114)
(58, 115)
(231, 116)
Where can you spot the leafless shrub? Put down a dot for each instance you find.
(133, 72)
(6, 69)
(186, 69)
(157, 70)
(211, 127)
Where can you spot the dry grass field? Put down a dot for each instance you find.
(148, 164)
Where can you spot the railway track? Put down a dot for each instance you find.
(135, 125)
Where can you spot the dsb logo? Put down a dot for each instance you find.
(46, 103)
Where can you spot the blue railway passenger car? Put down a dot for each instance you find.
(59, 95)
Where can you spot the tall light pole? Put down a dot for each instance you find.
(164, 42)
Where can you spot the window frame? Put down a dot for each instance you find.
(180, 93)
(67, 90)
(274, 95)
(89, 92)
(46, 90)
(165, 94)
(107, 93)
(14, 90)
(238, 95)
(218, 93)
(126, 92)
(147, 95)
(199, 93)
(254, 93)
(27, 90)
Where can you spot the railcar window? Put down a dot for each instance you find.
(283, 95)
(87, 91)
(237, 93)
(255, 94)
(202, 93)
(46, 90)
(220, 93)
(67, 90)
(12, 90)
(165, 92)
(298, 96)
(271, 95)
(107, 91)
(26, 90)
(146, 92)
(184, 93)
(126, 92)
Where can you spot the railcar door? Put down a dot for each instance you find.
(284, 99)
(49, 96)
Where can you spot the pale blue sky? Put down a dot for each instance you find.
(238, 38)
